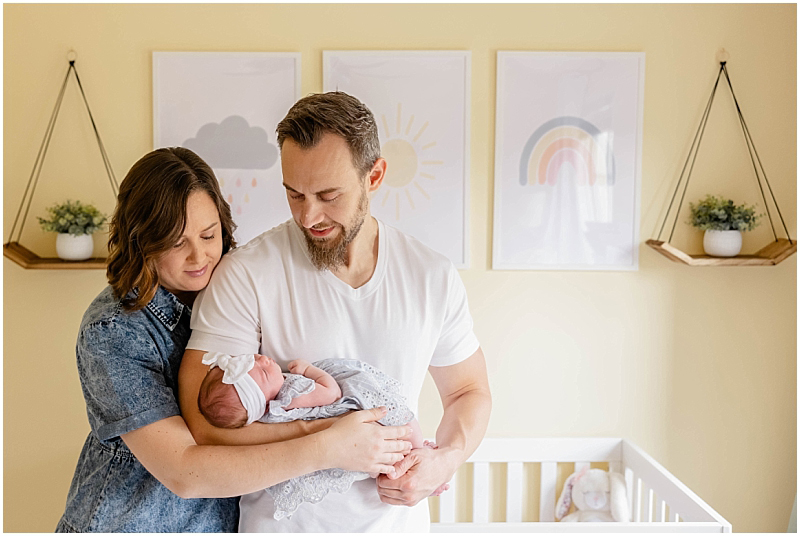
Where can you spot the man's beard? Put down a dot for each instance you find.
(330, 254)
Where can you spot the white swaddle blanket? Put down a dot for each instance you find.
(363, 387)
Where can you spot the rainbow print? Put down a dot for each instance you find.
(565, 140)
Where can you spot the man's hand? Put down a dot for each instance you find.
(464, 388)
(421, 473)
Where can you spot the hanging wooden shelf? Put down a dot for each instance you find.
(30, 260)
(770, 255)
(15, 251)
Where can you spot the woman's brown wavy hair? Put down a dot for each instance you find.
(150, 218)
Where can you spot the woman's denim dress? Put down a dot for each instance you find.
(128, 365)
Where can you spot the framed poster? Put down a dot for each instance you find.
(420, 100)
(225, 106)
(568, 160)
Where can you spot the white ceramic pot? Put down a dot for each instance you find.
(722, 243)
(74, 248)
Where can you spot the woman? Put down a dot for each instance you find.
(140, 470)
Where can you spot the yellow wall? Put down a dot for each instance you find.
(697, 366)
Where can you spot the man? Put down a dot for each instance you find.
(334, 282)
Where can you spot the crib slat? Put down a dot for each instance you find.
(480, 492)
(637, 501)
(547, 492)
(580, 465)
(514, 488)
(447, 502)
(667, 498)
(669, 488)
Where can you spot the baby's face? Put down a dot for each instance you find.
(267, 374)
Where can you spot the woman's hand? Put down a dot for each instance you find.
(358, 443)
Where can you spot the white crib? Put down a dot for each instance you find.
(511, 485)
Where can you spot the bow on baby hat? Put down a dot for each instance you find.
(235, 372)
(234, 367)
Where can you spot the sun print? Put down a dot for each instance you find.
(409, 161)
(420, 101)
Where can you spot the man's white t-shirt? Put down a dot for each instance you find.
(266, 297)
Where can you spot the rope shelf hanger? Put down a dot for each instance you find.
(13, 249)
(772, 253)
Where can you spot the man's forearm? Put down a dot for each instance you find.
(463, 426)
(467, 403)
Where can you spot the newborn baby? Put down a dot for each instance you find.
(238, 390)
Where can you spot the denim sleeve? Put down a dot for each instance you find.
(123, 379)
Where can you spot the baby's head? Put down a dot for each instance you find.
(220, 403)
(236, 389)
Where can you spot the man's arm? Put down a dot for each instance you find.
(190, 377)
(467, 401)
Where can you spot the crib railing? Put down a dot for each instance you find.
(659, 502)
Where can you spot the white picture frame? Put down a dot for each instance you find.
(225, 107)
(421, 103)
(568, 141)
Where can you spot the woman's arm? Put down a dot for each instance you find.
(168, 451)
(326, 391)
(190, 377)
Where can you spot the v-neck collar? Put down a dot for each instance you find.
(340, 286)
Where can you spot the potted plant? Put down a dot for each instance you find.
(723, 223)
(74, 222)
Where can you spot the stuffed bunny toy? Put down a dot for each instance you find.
(598, 496)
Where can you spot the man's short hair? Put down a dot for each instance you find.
(337, 113)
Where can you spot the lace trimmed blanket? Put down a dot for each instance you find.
(363, 387)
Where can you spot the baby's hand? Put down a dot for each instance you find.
(298, 366)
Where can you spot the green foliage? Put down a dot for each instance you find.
(73, 218)
(719, 214)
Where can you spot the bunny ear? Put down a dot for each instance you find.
(580, 474)
(619, 498)
(565, 500)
